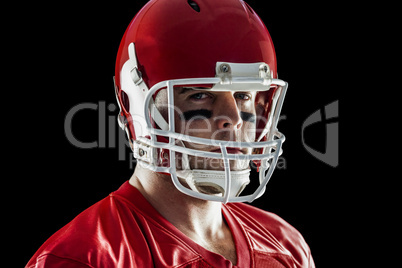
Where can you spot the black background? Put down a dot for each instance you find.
(67, 54)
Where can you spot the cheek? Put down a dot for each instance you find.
(197, 127)
(193, 127)
(248, 131)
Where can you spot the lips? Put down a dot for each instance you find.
(230, 150)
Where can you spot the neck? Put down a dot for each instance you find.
(194, 217)
(200, 220)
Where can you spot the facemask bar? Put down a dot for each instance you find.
(272, 147)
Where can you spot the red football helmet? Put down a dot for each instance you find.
(212, 46)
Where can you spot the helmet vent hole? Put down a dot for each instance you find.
(194, 5)
(125, 101)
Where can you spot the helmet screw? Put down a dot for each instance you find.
(141, 152)
(264, 68)
(225, 68)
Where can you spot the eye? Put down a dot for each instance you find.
(243, 96)
(200, 96)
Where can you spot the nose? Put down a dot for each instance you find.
(227, 114)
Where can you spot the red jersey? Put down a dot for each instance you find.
(124, 230)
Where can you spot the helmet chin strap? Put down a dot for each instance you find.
(213, 181)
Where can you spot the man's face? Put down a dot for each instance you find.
(226, 116)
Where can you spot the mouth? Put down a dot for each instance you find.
(230, 150)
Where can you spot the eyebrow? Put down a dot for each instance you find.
(186, 89)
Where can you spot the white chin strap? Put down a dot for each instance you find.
(213, 181)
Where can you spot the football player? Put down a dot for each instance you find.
(199, 97)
